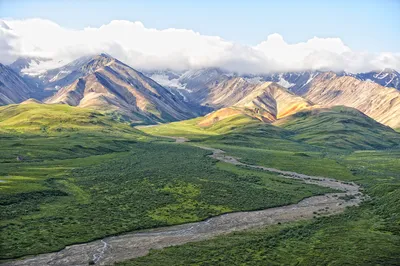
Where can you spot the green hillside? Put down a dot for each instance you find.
(340, 127)
(335, 128)
(56, 119)
(35, 132)
(192, 129)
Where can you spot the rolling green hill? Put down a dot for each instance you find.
(36, 132)
(335, 128)
(340, 127)
(56, 119)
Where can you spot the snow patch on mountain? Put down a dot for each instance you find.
(36, 67)
(164, 80)
(254, 80)
(56, 77)
(284, 83)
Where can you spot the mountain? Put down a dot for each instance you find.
(229, 94)
(54, 79)
(297, 82)
(34, 70)
(387, 78)
(381, 103)
(13, 89)
(166, 78)
(217, 89)
(270, 102)
(196, 83)
(25, 64)
(266, 102)
(192, 85)
(105, 83)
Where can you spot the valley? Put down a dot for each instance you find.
(101, 164)
(128, 246)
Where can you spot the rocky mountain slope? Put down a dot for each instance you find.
(267, 101)
(102, 82)
(381, 103)
(388, 78)
(13, 89)
(270, 102)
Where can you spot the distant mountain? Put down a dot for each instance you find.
(297, 82)
(13, 89)
(193, 85)
(33, 70)
(266, 101)
(381, 103)
(270, 102)
(387, 78)
(105, 83)
(102, 82)
(25, 64)
(220, 89)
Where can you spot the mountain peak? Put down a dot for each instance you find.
(95, 62)
(105, 56)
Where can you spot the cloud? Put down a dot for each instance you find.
(181, 49)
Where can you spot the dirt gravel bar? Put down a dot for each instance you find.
(113, 249)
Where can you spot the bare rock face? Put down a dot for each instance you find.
(105, 83)
(374, 100)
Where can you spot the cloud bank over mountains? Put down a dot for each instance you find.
(181, 49)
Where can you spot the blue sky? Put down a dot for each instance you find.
(368, 25)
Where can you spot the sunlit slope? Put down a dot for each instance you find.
(105, 83)
(217, 123)
(381, 103)
(37, 132)
(56, 119)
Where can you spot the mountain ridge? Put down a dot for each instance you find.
(106, 83)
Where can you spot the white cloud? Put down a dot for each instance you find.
(180, 49)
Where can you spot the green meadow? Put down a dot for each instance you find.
(71, 175)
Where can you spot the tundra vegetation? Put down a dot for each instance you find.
(70, 175)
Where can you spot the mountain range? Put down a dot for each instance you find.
(104, 83)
